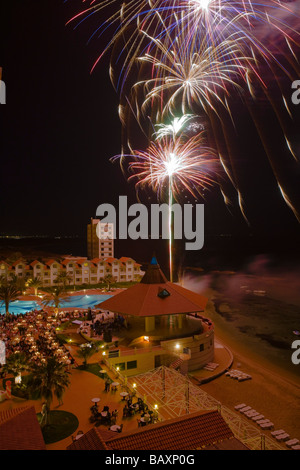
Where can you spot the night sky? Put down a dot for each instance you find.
(60, 127)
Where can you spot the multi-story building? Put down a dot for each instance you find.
(81, 270)
(100, 239)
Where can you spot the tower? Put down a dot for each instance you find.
(100, 239)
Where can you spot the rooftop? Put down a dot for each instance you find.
(155, 296)
(194, 431)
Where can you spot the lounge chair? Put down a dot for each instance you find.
(282, 437)
(268, 425)
(276, 433)
(257, 418)
(238, 407)
(292, 442)
(247, 408)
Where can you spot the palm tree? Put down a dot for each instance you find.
(109, 280)
(64, 278)
(9, 291)
(16, 363)
(18, 281)
(87, 350)
(49, 379)
(55, 298)
(35, 282)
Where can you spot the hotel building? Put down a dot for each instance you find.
(100, 239)
(81, 270)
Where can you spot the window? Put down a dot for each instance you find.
(201, 347)
(131, 365)
(163, 294)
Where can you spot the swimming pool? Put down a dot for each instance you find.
(83, 301)
(75, 301)
(19, 307)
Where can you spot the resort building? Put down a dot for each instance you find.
(205, 430)
(165, 326)
(81, 270)
(100, 239)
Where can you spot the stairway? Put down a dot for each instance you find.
(176, 364)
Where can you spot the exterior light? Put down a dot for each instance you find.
(155, 407)
(104, 353)
(18, 379)
(177, 346)
(146, 338)
(134, 385)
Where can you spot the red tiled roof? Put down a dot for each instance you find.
(34, 263)
(110, 260)
(92, 440)
(143, 299)
(19, 261)
(20, 430)
(4, 262)
(51, 261)
(191, 432)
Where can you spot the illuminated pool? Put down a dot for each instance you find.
(19, 307)
(75, 301)
(83, 301)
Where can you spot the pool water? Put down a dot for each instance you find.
(83, 301)
(75, 301)
(18, 307)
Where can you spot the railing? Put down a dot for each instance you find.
(134, 351)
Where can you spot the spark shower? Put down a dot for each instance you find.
(179, 67)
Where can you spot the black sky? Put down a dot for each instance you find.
(60, 127)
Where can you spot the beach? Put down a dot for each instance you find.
(272, 391)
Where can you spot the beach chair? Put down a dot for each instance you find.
(243, 410)
(296, 447)
(246, 408)
(268, 425)
(276, 433)
(238, 407)
(257, 418)
(251, 413)
(282, 437)
(292, 442)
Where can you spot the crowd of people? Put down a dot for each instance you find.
(34, 334)
(103, 325)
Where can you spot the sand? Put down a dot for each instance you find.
(273, 392)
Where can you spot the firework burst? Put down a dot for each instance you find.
(188, 166)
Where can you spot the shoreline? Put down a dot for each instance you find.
(272, 391)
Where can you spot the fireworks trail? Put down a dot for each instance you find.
(169, 167)
(199, 57)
